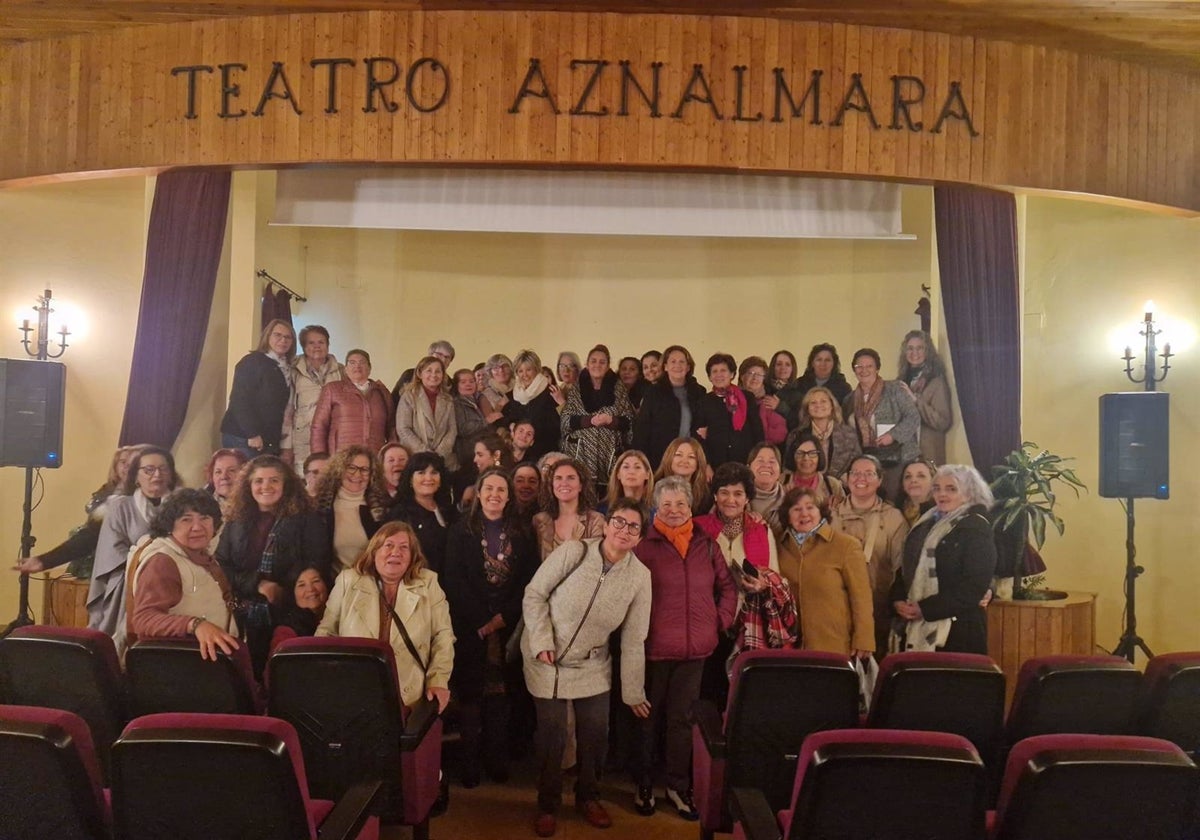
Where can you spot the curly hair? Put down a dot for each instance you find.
(587, 490)
(699, 479)
(733, 473)
(364, 564)
(820, 348)
(174, 505)
(375, 497)
(294, 500)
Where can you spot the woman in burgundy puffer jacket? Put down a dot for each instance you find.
(693, 599)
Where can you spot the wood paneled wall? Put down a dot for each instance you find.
(1042, 118)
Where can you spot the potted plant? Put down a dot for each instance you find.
(1026, 487)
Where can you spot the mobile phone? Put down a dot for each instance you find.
(749, 569)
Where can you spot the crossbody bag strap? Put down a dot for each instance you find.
(408, 642)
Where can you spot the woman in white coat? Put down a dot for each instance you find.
(390, 588)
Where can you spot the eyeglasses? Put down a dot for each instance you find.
(862, 474)
(620, 522)
(567, 366)
(163, 470)
(807, 453)
(870, 366)
(755, 374)
(353, 470)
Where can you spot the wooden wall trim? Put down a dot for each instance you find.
(1039, 117)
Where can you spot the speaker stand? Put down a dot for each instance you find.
(1130, 641)
(24, 614)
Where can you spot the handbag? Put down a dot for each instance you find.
(868, 672)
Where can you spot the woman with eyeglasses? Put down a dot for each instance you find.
(880, 529)
(809, 472)
(693, 602)
(924, 372)
(752, 378)
(352, 499)
(270, 534)
(821, 417)
(885, 416)
(582, 594)
(150, 477)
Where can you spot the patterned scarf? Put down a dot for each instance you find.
(864, 411)
(731, 528)
(736, 404)
(766, 619)
(680, 537)
(918, 378)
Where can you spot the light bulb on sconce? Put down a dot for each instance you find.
(39, 348)
(1151, 374)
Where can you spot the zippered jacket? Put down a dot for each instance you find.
(571, 607)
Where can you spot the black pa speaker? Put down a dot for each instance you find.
(1135, 446)
(32, 394)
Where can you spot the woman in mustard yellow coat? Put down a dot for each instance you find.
(827, 573)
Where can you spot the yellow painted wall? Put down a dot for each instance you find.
(395, 292)
(1089, 268)
(86, 241)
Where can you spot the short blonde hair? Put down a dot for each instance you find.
(365, 563)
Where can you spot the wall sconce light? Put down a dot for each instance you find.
(42, 344)
(1150, 373)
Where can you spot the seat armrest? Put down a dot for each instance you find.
(749, 807)
(712, 729)
(350, 812)
(417, 725)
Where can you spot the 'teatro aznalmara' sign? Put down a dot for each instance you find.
(599, 88)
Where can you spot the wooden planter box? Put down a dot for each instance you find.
(1018, 630)
(64, 602)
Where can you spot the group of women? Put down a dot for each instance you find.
(447, 514)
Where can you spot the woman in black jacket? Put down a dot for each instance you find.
(670, 407)
(423, 501)
(949, 560)
(271, 534)
(262, 386)
(489, 560)
(729, 425)
(536, 400)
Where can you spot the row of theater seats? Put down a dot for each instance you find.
(778, 699)
(335, 721)
(340, 697)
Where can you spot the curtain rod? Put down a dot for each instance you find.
(262, 272)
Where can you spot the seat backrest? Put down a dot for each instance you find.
(887, 784)
(187, 776)
(50, 783)
(169, 675)
(1169, 703)
(1082, 694)
(962, 693)
(342, 697)
(66, 668)
(776, 699)
(1096, 787)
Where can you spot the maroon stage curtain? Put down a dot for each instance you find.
(977, 257)
(183, 251)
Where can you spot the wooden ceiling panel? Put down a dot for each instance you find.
(1162, 33)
